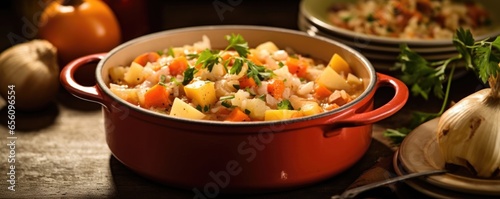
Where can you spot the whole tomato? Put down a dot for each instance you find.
(79, 27)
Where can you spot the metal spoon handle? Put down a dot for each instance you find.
(351, 193)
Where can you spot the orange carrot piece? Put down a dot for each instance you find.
(297, 66)
(143, 59)
(322, 91)
(156, 96)
(178, 65)
(254, 59)
(276, 88)
(237, 115)
(247, 82)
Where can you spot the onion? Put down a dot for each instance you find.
(469, 132)
(32, 69)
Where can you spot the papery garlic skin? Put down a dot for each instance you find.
(32, 69)
(469, 133)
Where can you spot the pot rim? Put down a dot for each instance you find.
(104, 88)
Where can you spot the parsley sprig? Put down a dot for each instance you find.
(424, 77)
(209, 58)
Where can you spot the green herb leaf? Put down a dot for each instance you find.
(419, 75)
(284, 105)
(160, 52)
(253, 72)
(237, 66)
(397, 135)
(262, 97)
(192, 56)
(482, 60)
(163, 80)
(281, 64)
(189, 75)
(226, 104)
(228, 97)
(208, 59)
(247, 111)
(238, 43)
(171, 52)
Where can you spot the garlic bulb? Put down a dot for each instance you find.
(469, 132)
(32, 69)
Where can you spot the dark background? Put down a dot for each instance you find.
(146, 16)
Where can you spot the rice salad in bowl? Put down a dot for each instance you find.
(410, 19)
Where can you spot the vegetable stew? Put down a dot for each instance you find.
(235, 84)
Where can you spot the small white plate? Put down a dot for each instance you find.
(419, 151)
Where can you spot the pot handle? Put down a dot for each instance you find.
(89, 93)
(395, 104)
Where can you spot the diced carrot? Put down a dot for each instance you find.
(156, 96)
(321, 91)
(228, 56)
(178, 65)
(276, 88)
(143, 59)
(247, 82)
(254, 59)
(237, 115)
(297, 66)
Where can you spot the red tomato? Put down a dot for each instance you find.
(79, 27)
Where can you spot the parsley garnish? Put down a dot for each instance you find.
(189, 75)
(285, 105)
(191, 56)
(281, 64)
(226, 97)
(247, 112)
(160, 52)
(238, 43)
(210, 58)
(424, 77)
(205, 108)
(163, 78)
(171, 52)
(226, 104)
(262, 97)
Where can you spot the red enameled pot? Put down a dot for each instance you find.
(209, 157)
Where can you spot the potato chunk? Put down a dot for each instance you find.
(184, 110)
(269, 46)
(332, 80)
(310, 108)
(281, 114)
(338, 64)
(134, 75)
(201, 92)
